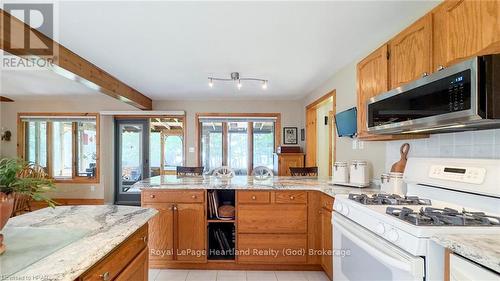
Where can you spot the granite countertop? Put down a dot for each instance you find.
(64, 242)
(248, 182)
(483, 249)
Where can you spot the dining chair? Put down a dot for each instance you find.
(304, 171)
(189, 171)
(223, 172)
(262, 171)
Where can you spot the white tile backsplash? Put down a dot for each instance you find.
(475, 144)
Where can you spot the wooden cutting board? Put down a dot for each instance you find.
(399, 167)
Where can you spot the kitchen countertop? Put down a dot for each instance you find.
(248, 182)
(483, 249)
(64, 242)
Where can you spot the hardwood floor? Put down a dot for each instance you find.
(234, 275)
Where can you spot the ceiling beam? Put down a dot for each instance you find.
(5, 99)
(69, 64)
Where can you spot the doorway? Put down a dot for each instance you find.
(320, 138)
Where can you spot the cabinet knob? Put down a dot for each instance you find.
(440, 68)
(105, 276)
(193, 196)
(145, 239)
(175, 208)
(425, 74)
(292, 198)
(152, 196)
(254, 197)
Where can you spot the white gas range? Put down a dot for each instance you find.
(388, 238)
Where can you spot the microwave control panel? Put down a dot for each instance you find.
(472, 175)
(456, 101)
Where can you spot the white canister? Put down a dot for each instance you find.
(358, 173)
(393, 183)
(340, 172)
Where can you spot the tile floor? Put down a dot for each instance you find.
(234, 275)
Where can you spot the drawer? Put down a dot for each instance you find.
(326, 202)
(119, 258)
(290, 248)
(254, 196)
(272, 218)
(290, 197)
(176, 196)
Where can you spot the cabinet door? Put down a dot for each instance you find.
(410, 53)
(292, 161)
(190, 237)
(326, 242)
(137, 270)
(465, 28)
(372, 79)
(161, 232)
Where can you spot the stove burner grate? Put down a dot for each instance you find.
(443, 217)
(388, 199)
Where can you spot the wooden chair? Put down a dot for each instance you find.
(304, 171)
(189, 171)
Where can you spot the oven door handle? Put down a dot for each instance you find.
(407, 264)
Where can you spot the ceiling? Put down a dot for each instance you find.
(166, 50)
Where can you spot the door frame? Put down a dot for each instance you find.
(133, 198)
(311, 144)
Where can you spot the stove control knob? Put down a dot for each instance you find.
(392, 235)
(380, 228)
(339, 208)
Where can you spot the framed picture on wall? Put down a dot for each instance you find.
(290, 135)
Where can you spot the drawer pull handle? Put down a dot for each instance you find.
(254, 197)
(193, 196)
(292, 198)
(152, 196)
(105, 276)
(145, 239)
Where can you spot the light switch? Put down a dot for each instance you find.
(191, 149)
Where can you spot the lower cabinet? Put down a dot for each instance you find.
(129, 261)
(178, 232)
(272, 248)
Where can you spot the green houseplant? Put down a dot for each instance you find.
(20, 180)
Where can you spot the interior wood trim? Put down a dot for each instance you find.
(447, 254)
(68, 64)
(5, 99)
(35, 205)
(250, 148)
(21, 146)
(277, 128)
(321, 99)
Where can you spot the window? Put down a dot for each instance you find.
(166, 147)
(65, 145)
(240, 141)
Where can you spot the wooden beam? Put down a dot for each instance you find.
(68, 64)
(5, 99)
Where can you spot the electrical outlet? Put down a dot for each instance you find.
(361, 144)
(191, 149)
(354, 144)
(92, 188)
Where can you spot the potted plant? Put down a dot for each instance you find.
(20, 180)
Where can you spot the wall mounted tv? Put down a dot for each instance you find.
(346, 123)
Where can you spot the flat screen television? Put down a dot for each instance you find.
(346, 123)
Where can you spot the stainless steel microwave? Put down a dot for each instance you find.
(465, 96)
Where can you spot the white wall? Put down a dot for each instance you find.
(102, 190)
(292, 114)
(322, 148)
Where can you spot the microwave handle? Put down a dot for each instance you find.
(379, 254)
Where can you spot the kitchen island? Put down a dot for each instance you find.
(277, 222)
(77, 243)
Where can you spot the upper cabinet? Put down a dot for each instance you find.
(451, 32)
(410, 53)
(372, 79)
(463, 29)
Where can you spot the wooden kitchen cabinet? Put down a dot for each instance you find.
(410, 53)
(283, 162)
(372, 79)
(463, 29)
(137, 270)
(178, 232)
(327, 234)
